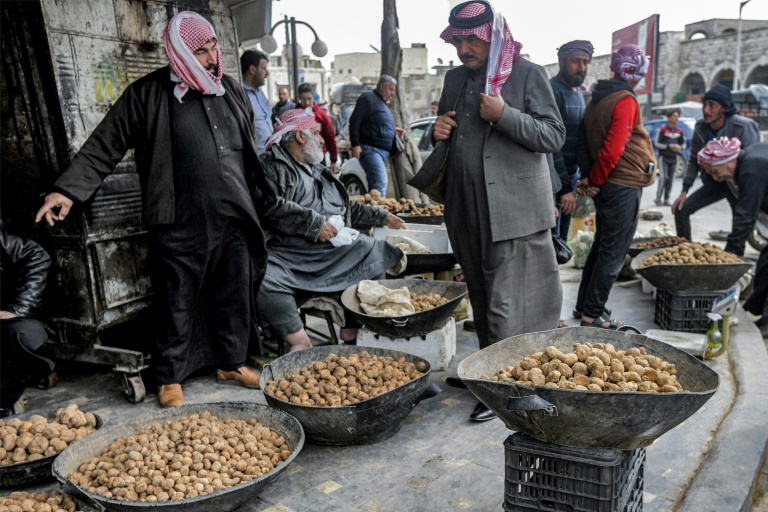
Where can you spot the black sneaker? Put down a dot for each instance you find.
(469, 325)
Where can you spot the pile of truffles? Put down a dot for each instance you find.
(663, 241)
(184, 458)
(691, 253)
(402, 205)
(427, 301)
(426, 210)
(343, 380)
(43, 502)
(39, 437)
(593, 367)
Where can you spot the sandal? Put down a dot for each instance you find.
(561, 324)
(602, 319)
(577, 314)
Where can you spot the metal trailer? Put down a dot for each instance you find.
(64, 64)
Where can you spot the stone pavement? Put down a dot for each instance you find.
(440, 461)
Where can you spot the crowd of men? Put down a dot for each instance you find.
(238, 201)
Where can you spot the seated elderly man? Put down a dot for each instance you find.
(301, 259)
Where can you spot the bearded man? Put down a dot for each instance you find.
(193, 133)
(720, 119)
(301, 259)
(499, 116)
(574, 58)
(726, 161)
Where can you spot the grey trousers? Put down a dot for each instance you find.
(514, 285)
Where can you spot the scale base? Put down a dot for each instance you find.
(691, 342)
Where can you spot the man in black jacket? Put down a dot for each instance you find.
(720, 120)
(372, 132)
(192, 128)
(725, 161)
(25, 267)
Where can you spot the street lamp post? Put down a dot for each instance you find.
(737, 74)
(269, 45)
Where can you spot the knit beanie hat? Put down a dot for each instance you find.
(720, 94)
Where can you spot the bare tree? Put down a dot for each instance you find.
(408, 162)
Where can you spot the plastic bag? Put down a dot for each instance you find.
(582, 244)
(345, 235)
(408, 245)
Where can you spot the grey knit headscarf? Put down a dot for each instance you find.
(572, 48)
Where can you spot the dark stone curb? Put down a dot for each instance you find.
(727, 480)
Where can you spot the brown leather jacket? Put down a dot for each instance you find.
(139, 120)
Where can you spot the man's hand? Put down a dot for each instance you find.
(444, 125)
(399, 131)
(491, 107)
(54, 200)
(557, 213)
(675, 147)
(679, 202)
(395, 222)
(568, 203)
(334, 169)
(585, 189)
(357, 151)
(6, 315)
(327, 232)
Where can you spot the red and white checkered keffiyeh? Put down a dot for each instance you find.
(291, 121)
(504, 49)
(187, 32)
(630, 63)
(719, 151)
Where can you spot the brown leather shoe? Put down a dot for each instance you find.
(170, 395)
(243, 376)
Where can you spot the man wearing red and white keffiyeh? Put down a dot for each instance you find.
(192, 129)
(194, 55)
(498, 119)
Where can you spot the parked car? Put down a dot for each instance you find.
(352, 173)
(686, 124)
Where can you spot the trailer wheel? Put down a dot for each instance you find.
(134, 387)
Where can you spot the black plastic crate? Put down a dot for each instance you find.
(684, 311)
(545, 477)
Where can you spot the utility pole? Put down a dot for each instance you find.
(737, 74)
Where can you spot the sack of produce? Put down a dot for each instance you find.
(378, 300)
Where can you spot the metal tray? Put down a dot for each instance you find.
(585, 419)
(710, 277)
(220, 501)
(370, 421)
(433, 220)
(420, 263)
(417, 324)
(634, 250)
(36, 471)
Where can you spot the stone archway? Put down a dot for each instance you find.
(693, 84)
(725, 77)
(758, 75)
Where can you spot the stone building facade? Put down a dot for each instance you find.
(701, 56)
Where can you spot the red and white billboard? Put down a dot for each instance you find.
(644, 34)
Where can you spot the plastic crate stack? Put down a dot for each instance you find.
(545, 477)
(684, 311)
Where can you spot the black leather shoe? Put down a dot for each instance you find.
(469, 325)
(455, 382)
(482, 413)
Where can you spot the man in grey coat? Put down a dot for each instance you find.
(500, 117)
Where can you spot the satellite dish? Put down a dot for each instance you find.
(440, 61)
